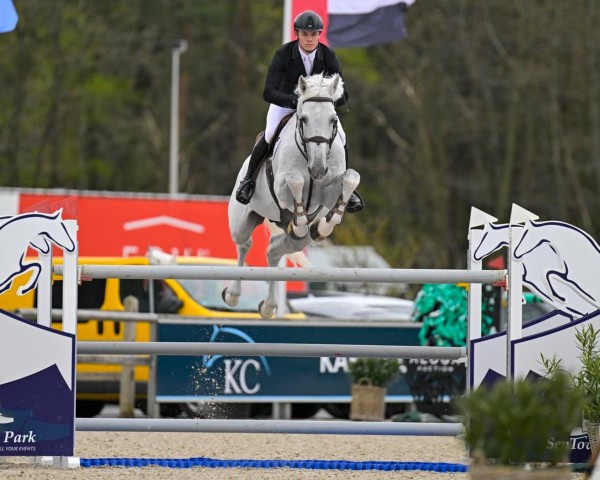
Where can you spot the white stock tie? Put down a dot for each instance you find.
(308, 65)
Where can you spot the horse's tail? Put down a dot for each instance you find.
(298, 259)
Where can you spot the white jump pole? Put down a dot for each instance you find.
(477, 219)
(70, 281)
(44, 290)
(514, 330)
(375, 275)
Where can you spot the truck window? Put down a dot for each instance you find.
(90, 294)
(208, 294)
(165, 300)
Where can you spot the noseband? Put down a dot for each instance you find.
(303, 145)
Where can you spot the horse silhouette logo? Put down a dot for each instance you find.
(534, 265)
(17, 234)
(571, 279)
(557, 261)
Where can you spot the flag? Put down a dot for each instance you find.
(293, 8)
(363, 23)
(8, 16)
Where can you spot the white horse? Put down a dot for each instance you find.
(305, 188)
(573, 281)
(38, 230)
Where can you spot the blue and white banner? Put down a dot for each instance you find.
(8, 16)
(364, 23)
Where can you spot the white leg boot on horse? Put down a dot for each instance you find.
(322, 229)
(298, 227)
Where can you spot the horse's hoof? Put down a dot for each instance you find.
(265, 312)
(230, 300)
(292, 234)
(314, 233)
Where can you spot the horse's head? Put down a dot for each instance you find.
(316, 119)
(530, 240)
(494, 238)
(52, 227)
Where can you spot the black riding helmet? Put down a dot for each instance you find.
(308, 20)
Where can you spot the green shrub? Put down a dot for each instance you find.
(379, 371)
(512, 422)
(588, 377)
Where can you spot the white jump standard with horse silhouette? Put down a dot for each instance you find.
(307, 186)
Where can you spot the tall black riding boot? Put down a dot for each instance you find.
(246, 188)
(355, 202)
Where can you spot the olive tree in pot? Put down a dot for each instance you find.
(507, 427)
(587, 379)
(370, 378)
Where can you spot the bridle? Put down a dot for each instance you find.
(302, 145)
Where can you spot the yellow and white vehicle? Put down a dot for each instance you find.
(98, 384)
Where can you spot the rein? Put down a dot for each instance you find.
(302, 146)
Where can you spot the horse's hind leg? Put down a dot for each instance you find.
(231, 294)
(323, 228)
(279, 245)
(241, 233)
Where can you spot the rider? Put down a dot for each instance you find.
(303, 56)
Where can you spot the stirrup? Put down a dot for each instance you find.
(245, 191)
(355, 203)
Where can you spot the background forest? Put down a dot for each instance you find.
(483, 104)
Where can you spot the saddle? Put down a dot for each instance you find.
(278, 130)
(266, 161)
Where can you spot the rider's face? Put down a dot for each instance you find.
(308, 40)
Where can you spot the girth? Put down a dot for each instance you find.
(271, 183)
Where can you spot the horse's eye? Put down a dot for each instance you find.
(303, 119)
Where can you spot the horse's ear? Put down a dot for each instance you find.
(336, 87)
(302, 85)
(334, 84)
(58, 213)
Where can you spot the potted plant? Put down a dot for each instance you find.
(370, 378)
(508, 425)
(587, 378)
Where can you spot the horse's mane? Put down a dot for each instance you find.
(319, 84)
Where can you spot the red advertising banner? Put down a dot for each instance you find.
(128, 226)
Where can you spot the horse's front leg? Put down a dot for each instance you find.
(298, 227)
(323, 228)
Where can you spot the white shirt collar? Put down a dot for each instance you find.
(310, 56)
(308, 59)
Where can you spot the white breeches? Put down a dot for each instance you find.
(276, 113)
